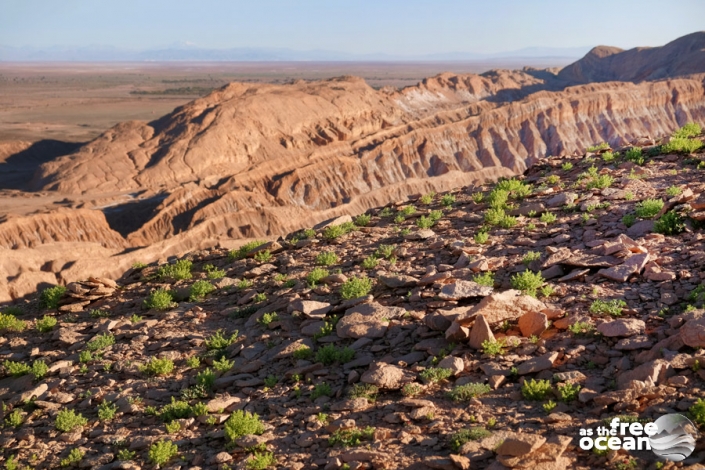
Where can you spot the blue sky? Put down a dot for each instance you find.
(353, 26)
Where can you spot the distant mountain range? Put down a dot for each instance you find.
(185, 52)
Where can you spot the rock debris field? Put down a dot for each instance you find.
(476, 329)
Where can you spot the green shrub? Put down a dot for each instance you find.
(8, 322)
(468, 391)
(611, 307)
(608, 157)
(635, 155)
(484, 279)
(568, 392)
(242, 423)
(424, 222)
(16, 369)
(494, 216)
(263, 256)
(126, 454)
(268, 318)
(497, 199)
(223, 365)
(629, 220)
(106, 411)
(567, 166)
(159, 299)
(549, 406)
(691, 129)
(535, 390)
(648, 208)
(385, 251)
(75, 456)
(435, 374)
(548, 218)
(508, 221)
(69, 420)
(177, 409)
(697, 412)
(481, 237)
(200, 289)
(213, 272)
(160, 453)
(355, 287)
(682, 145)
(669, 224)
(49, 298)
(334, 231)
(582, 328)
(463, 436)
(362, 390)
(595, 148)
(321, 390)
(14, 419)
(495, 347)
(427, 199)
(326, 258)
(673, 191)
(448, 200)
(39, 369)
(100, 342)
(241, 252)
(531, 256)
(363, 220)
(351, 437)
(553, 179)
(219, 341)
(478, 197)
(527, 282)
(370, 262)
(303, 353)
(85, 356)
(600, 182)
(316, 275)
(260, 461)
(177, 271)
(158, 367)
(46, 324)
(330, 354)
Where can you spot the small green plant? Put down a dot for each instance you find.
(16, 369)
(351, 437)
(335, 231)
(177, 271)
(548, 217)
(468, 391)
(547, 290)
(242, 423)
(316, 275)
(411, 390)
(493, 216)
(535, 389)
(46, 324)
(427, 199)
(582, 328)
(326, 258)
(649, 208)
(670, 224)
(635, 155)
(135, 318)
(567, 166)
(223, 365)
(600, 182)
(435, 374)
(463, 436)
(424, 222)
(162, 452)
(218, 340)
(270, 381)
(200, 289)
(49, 298)
(39, 369)
(159, 299)
(321, 390)
(399, 219)
(106, 411)
(481, 237)
(260, 297)
(484, 279)
(14, 419)
(608, 157)
(363, 220)
(549, 406)
(531, 256)
(697, 412)
(370, 262)
(173, 427)
(527, 282)
(478, 197)
(303, 353)
(330, 354)
(177, 409)
(611, 307)
(244, 284)
(355, 287)
(263, 256)
(681, 145)
(241, 252)
(139, 265)
(448, 200)
(193, 362)
(100, 342)
(629, 220)
(553, 179)
(69, 420)
(495, 347)
(206, 378)
(629, 196)
(156, 367)
(268, 318)
(568, 392)
(598, 147)
(75, 456)
(367, 391)
(260, 461)
(212, 272)
(508, 221)
(126, 454)
(385, 251)
(85, 356)
(673, 191)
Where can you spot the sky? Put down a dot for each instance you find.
(402, 27)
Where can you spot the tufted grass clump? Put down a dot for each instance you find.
(100, 342)
(370, 262)
(527, 282)
(326, 258)
(424, 222)
(69, 420)
(223, 364)
(481, 237)
(321, 390)
(635, 155)
(181, 269)
(14, 419)
(219, 341)
(508, 221)
(160, 299)
(315, 276)
(600, 146)
(49, 298)
(75, 456)
(608, 307)
(427, 199)
(648, 208)
(351, 437)
(673, 191)
(200, 289)
(671, 223)
(241, 252)
(567, 166)
(385, 251)
(535, 390)
(548, 217)
(691, 129)
(531, 256)
(495, 347)
(260, 461)
(682, 145)
(355, 287)
(448, 200)
(330, 354)
(435, 374)
(493, 216)
(16, 368)
(160, 453)
(335, 231)
(568, 392)
(157, 367)
(363, 220)
(463, 436)
(484, 279)
(8, 322)
(213, 273)
(468, 391)
(242, 423)
(39, 369)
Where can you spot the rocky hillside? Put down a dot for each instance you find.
(477, 328)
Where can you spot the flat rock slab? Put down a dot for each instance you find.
(693, 333)
(399, 280)
(310, 308)
(633, 265)
(508, 305)
(384, 376)
(368, 320)
(533, 324)
(537, 364)
(464, 290)
(624, 327)
(422, 234)
(641, 228)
